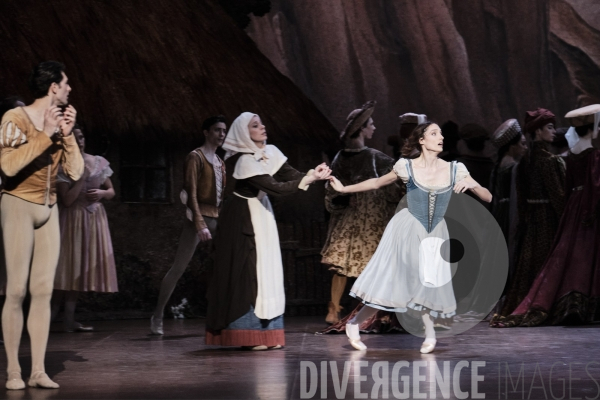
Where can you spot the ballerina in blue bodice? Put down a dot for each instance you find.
(409, 272)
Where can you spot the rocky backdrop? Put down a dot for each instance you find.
(480, 61)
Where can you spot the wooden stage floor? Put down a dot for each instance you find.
(121, 361)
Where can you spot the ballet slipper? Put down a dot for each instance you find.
(156, 326)
(277, 347)
(14, 381)
(353, 334)
(78, 327)
(259, 348)
(428, 346)
(41, 380)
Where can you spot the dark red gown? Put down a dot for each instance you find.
(567, 288)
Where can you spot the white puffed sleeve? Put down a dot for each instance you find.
(461, 171)
(401, 169)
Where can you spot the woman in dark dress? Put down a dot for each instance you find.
(511, 145)
(567, 288)
(246, 299)
(541, 200)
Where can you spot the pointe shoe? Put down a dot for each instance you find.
(427, 347)
(14, 381)
(440, 326)
(41, 380)
(277, 347)
(156, 326)
(354, 337)
(259, 347)
(333, 315)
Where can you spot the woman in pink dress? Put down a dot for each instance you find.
(86, 262)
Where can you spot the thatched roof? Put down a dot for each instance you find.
(151, 67)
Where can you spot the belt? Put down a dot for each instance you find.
(578, 188)
(538, 201)
(243, 197)
(504, 200)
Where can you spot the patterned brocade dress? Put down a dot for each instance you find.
(358, 220)
(86, 261)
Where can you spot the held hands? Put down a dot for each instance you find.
(321, 172)
(204, 235)
(68, 122)
(336, 184)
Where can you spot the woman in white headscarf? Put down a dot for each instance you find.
(246, 299)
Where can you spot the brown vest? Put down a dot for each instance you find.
(201, 187)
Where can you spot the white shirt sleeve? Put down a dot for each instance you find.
(461, 171)
(401, 169)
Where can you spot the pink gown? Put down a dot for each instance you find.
(86, 261)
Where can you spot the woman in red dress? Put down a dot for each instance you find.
(567, 289)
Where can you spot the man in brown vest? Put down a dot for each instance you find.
(34, 141)
(203, 186)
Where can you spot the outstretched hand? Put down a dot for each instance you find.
(336, 184)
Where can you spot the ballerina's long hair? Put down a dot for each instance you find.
(412, 147)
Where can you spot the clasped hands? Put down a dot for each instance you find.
(95, 195)
(55, 120)
(320, 173)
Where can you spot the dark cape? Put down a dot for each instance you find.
(541, 201)
(504, 206)
(372, 164)
(480, 168)
(234, 285)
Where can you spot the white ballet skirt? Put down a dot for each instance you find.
(407, 272)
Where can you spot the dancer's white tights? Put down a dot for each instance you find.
(365, 313)
(31, 245)
(185, 251)
(429, 330)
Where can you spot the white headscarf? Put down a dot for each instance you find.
(255, 161)
(238, 138)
